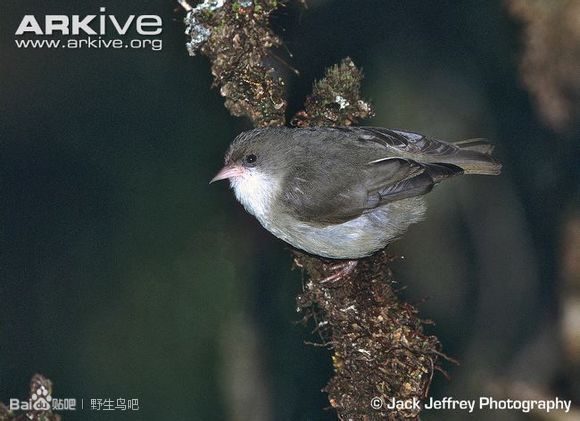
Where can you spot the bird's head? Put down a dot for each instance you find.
(252, 153)
(255, 165)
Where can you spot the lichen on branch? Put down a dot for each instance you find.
(237, 39)
(335, 99)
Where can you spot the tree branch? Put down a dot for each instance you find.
(379, 348)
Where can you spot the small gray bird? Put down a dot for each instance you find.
(344, 192)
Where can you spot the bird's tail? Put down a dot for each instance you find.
(475, 157)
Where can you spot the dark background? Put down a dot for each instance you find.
(123, 274)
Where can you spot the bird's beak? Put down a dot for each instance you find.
(228, 171)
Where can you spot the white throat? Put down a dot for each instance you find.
(255, 191)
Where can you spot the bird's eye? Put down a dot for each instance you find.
(251, 159)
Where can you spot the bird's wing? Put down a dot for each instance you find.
(472, 155)
(403, 142)
(330, 197)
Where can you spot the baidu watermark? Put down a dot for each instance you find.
(42, 401)
(95, 31)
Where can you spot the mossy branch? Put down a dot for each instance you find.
(378, 344)
(236, 37)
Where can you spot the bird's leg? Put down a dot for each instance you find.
(297, 262)
(341, 269)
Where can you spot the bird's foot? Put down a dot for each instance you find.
(340, 270)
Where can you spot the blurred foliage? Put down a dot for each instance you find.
(551, 58)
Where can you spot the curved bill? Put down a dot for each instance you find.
(228, 171)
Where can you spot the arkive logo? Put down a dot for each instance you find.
(101, 30)
(89, 24)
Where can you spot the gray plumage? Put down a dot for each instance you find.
(344, 192)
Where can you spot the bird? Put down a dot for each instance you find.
(344, 192)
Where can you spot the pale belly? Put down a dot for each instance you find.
(353, 239)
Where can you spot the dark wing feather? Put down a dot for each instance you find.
(344, 198)
(405, 142)
(418, 185)
(473, 156)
